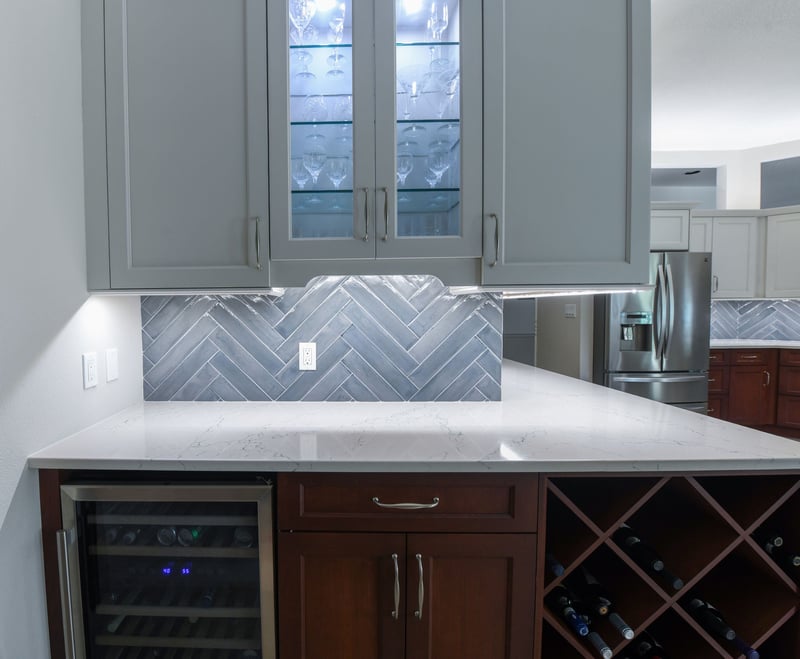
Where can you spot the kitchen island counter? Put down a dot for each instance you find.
(545, 423)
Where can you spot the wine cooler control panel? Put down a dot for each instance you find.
(168, 572)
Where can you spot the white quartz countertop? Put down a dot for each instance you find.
(546, 422)
(754, 343)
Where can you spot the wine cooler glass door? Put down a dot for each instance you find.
(428, 201)
(324, 184)
(167, 571)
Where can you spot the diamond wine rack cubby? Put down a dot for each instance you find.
(703, 566)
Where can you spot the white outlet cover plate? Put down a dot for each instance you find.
(307, 356)
(89, 369)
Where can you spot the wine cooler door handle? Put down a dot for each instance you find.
(496, 239)
(65, 586)
(385, 214)
(366, 214)
(420, 588)
(396, 611)
(406, 506)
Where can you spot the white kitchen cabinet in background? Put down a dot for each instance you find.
(736, 249)
(782, 260)
(669, 230)
(700, 229)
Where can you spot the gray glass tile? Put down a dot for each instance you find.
(179, 351)
(449, 372)
(238, 379)
(178, 377)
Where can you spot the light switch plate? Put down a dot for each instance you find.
(570, 311)
(89, 369)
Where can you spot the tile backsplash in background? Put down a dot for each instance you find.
(378, 339)
(755, 319)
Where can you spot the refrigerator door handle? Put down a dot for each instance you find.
(660, 378)
(670, 304)
(661, 312)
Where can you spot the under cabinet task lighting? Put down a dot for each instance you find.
(552, 291)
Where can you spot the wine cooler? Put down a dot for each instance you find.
(167, 571)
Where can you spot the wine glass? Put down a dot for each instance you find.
(315, 108)
(439, 162)
(338, 168)
(301, 13)
(431, 178)
(300, 173)
(438, 20)
(336, 24)
(314, 155)
(405, 163)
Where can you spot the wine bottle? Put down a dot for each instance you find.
(620, 625)
(776, 547)
(645, 556)
(561, 601)
(600, 645)
(111, 534)
(167, 536)
(711, 619)
(189, 536)
(745, 649)
(244, 537)
(649, 648)
(553, 565)
(130, 535)
(591, 595)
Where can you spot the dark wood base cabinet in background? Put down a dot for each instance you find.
(444, 566)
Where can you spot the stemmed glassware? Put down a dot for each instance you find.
(301, 13)
(338, 169)
(314, 155)
(300, 173)
(438, 20)
(336, 24)
(405, 164)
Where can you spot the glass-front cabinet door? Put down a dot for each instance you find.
(375, 122)
(428, 141)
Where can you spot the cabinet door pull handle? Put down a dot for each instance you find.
(366, 214)
(258, 242)
(711, 410)
(749, 357)
(406, 506)
(716, 283)
(420, 588)
(65, 589)
(769, 378)
(396, 612)
(496, 239)
(385, 214)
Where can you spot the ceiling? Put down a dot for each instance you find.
(726, 73)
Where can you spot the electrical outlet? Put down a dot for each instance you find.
(308, 356)
(89, 360)
(112, 364)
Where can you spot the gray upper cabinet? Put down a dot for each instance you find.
(185, 118)
(376, 138)
(566, 142)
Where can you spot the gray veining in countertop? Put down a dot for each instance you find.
(546, 422)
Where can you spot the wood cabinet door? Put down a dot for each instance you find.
(752, 395)
(566, 86)
(475, 593)
(186, 110)
(337, 595)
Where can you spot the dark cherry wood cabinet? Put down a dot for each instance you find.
(743, 386)
(789, 389)
(424, 584)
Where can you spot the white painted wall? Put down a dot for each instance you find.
(739, 176)
(564, 345)
(46, 318)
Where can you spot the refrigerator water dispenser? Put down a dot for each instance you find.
(636, 330)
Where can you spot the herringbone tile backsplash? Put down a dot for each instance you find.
(378, 339)
(756, 319)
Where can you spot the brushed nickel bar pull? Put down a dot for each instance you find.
(769, 378)
(65, 589)
(748, 356)
(716, 283)
(396, 612)
(406, 506)
(258, 243)
(420, 588)
(710, 380)
(366, 214)
(496, 239)
(385, 214)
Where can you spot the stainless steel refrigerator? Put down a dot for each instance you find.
(655, 343)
